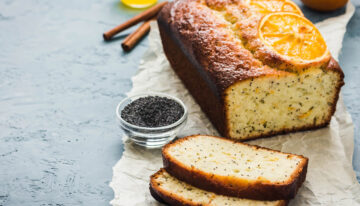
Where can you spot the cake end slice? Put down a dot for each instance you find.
(168, 189)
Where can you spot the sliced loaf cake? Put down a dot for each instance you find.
(257, 68)
(235, 169)
(168, 189)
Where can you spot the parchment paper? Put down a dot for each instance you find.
(330, 179)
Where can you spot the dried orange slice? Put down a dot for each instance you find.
(293, 37)
(270, 6)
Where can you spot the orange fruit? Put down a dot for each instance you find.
(325, 5)
(293, 37)
(270, 6)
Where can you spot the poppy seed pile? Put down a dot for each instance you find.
(152, 111)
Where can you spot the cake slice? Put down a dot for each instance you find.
(235, 169)
(168, 189)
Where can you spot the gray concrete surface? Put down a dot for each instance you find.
(59, 85)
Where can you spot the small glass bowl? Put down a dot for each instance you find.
(150, 137)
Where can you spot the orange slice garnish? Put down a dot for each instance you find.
(293, 37)
(270, 6)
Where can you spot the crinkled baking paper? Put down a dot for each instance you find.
(330, 179)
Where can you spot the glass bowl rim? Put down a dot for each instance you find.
(137, 96)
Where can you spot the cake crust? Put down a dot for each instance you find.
(209, 61)
(166, 197)
(257, 190)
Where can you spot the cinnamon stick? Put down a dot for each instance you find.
(131, 40)
(136, 19)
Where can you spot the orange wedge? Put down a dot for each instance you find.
(293, 37)
(270, 6)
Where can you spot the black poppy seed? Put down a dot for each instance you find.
(152, 111)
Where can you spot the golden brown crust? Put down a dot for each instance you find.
(193, 41)
(232, 186)
(190, 72)
(174, 199)
(208, 45)
(163, 196)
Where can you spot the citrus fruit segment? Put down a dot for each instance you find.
(293, 37)
(270, 6)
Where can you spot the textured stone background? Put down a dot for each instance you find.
(59, 85)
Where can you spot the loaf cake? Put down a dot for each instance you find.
(257, 68)
(168, 189)
(235, 169)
